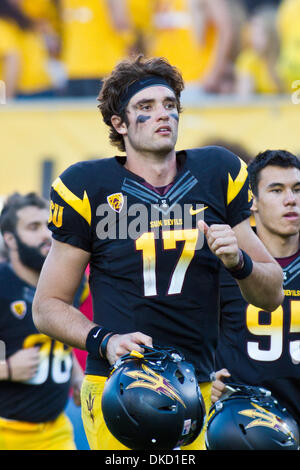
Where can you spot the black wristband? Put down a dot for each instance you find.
(94, 339)
(103, 345)
(245, 270)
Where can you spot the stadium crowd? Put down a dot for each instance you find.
(65, 48)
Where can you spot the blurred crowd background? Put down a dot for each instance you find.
(240, 60)
(63, 48)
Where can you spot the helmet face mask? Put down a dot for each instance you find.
(153, 401)
(250, 419)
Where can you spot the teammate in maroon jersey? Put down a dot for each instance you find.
(259, 347)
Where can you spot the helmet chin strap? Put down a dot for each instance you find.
(157, 356)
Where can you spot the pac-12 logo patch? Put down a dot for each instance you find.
(116, 201)
(19, 309)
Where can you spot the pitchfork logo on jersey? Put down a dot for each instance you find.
(116, 201)
(263, 417)
(19, 309)
(153, 381)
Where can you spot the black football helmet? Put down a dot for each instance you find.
(250, 418)
(153, 401)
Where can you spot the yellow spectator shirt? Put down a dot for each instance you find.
(141, 14)
(91, 44)
(33, 75)
(175, 39)
(251, 64)
(8, 43)
(289, 34)
(42, 10)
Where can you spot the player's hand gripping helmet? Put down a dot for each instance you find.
(249, 418)
(153, 401)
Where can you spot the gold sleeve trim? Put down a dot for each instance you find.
(81, 206)
(235, 185)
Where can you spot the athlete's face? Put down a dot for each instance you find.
(33, 236)
(152, 125)
(277, 206)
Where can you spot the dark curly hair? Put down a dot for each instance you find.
(15, 202)
(125, 73)
(281, 158)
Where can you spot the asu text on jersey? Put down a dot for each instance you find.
(151, 269)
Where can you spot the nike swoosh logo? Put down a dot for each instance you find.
(95, 335)
(196, 211)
